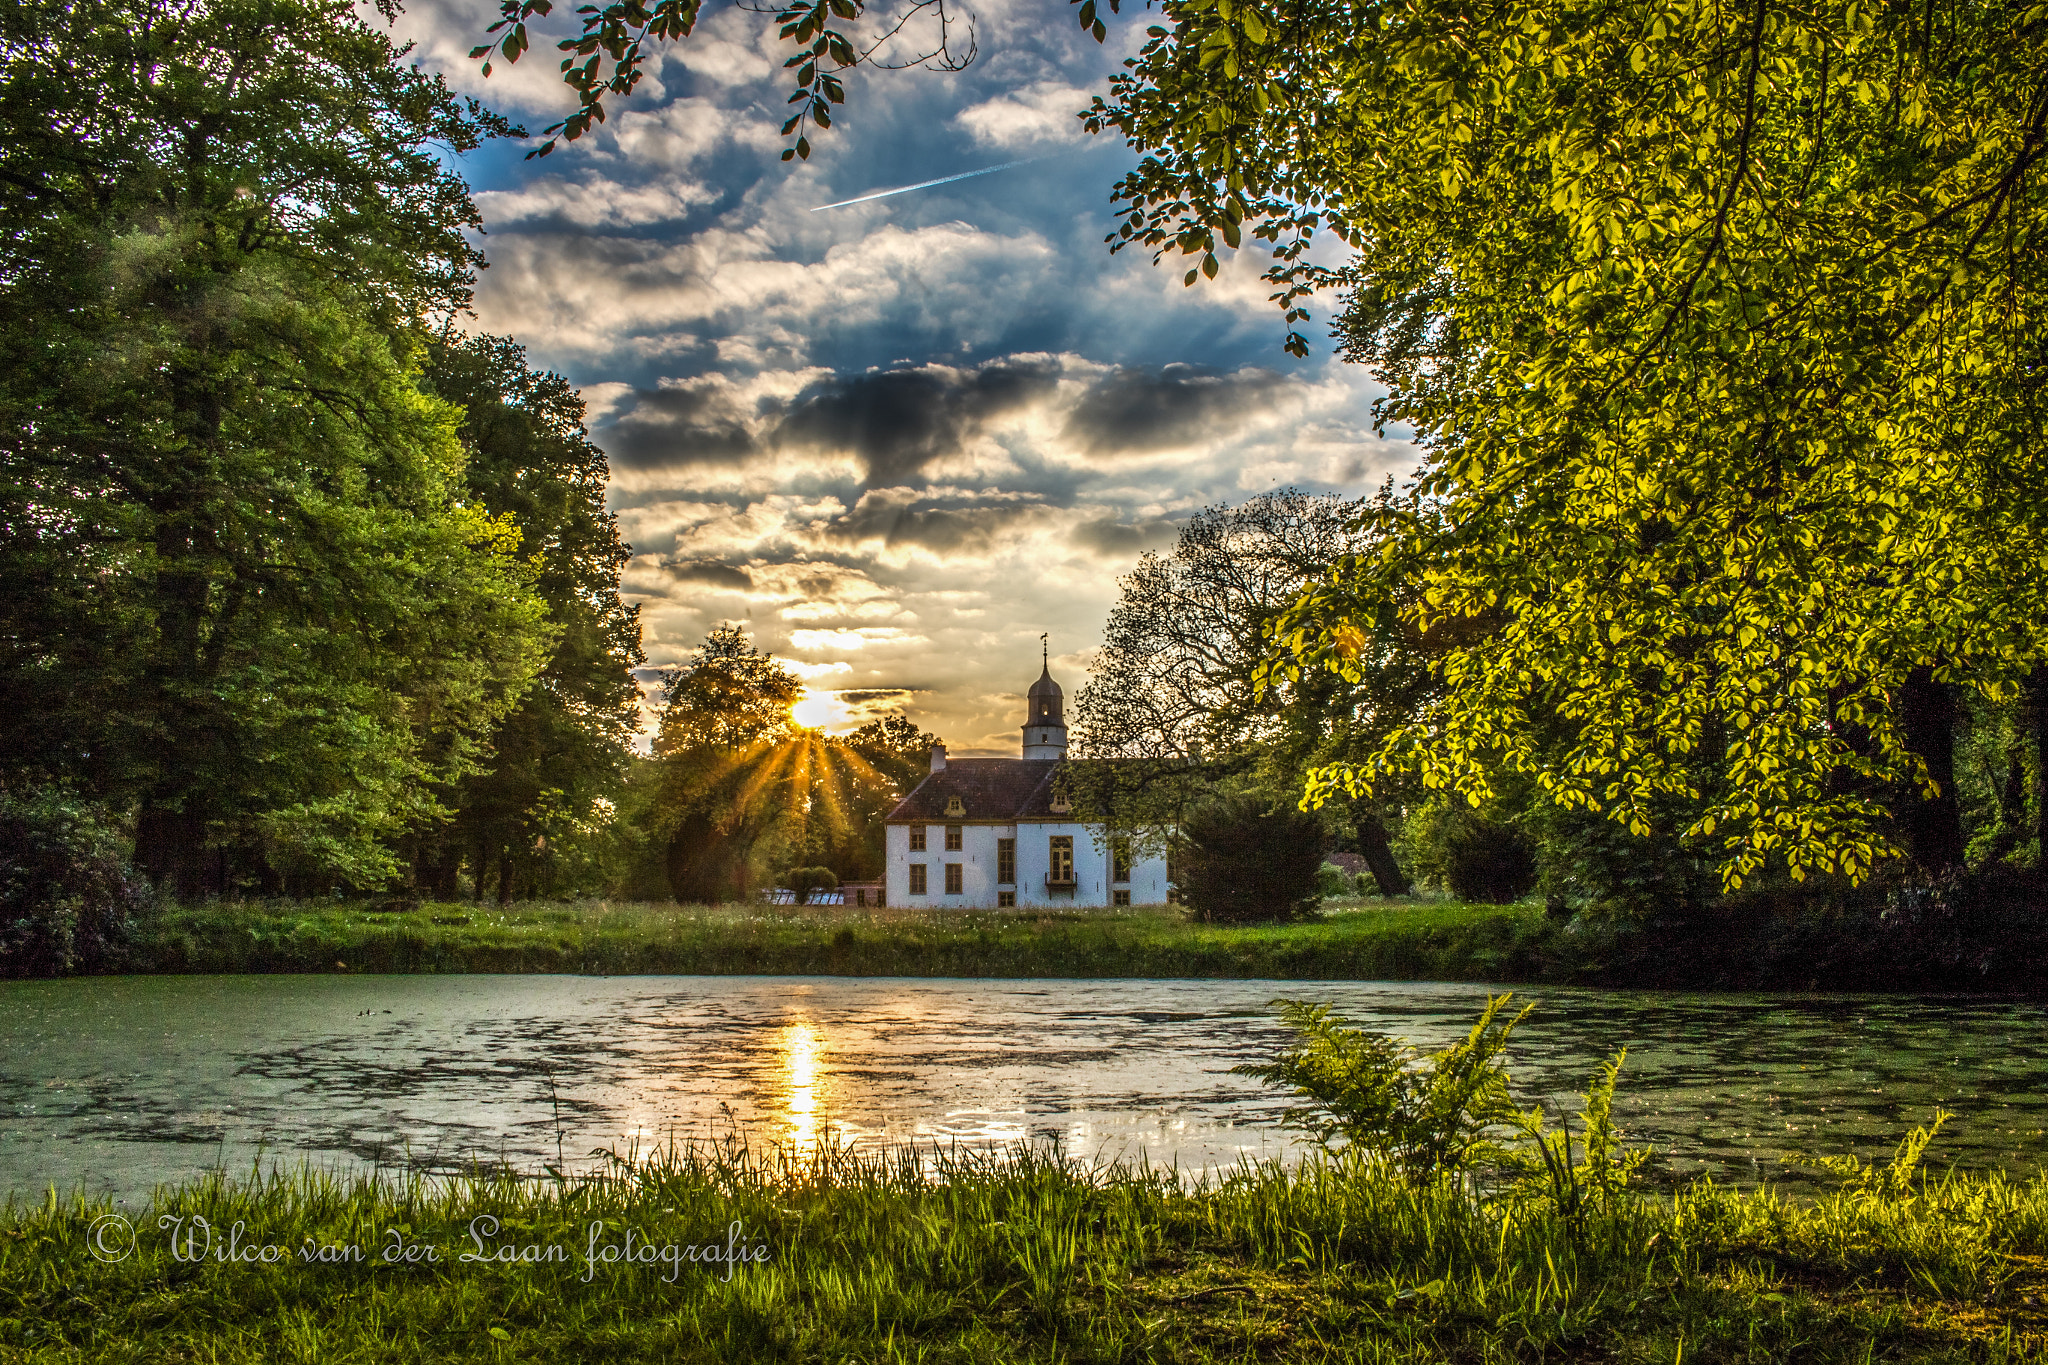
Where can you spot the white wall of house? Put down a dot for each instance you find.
(977, 859)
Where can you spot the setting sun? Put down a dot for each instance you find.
(821, 711)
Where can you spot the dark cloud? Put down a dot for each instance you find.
(1113, 539)
(895, 516)
(1133, 409)
(709, 572)
(666, 428)
(898, 421)
(863, 694)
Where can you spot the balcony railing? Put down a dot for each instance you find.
(1054, 882)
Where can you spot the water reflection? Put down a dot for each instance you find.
(801, 1051)
(119, 1083)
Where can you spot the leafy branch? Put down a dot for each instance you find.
(608, 58)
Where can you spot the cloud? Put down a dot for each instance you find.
(709, 572)
(1016, 427)
(1108, 538)
(900, 421)
(1029, 116)
(1132, 409)
(902, 518)
(670, 428)
(830, 641)
(589, 296)
(895, 695)
(593, 202)
(442, 32)
(687, 132)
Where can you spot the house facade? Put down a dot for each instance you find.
(990, 833)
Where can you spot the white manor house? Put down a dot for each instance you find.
(988, 833)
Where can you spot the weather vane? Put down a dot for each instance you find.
(1045, 653)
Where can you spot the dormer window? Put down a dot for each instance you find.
(1061, 806)
(955, 806)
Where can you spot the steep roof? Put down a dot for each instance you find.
(991, 789)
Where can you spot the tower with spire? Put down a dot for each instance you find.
(1045, 717)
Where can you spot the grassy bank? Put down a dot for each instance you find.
(1401, 942)
(1025, 1259)
(1755, 944)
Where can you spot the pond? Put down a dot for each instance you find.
(116, 1084)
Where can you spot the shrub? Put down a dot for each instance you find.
(1332, 880)
(67, 897)
(805, 880)
(1596, 865)
(1242, 861)
(1476, 858)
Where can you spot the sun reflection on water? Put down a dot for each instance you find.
(803, 1067)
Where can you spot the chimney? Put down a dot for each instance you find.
(938, 758)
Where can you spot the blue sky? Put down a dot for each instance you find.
(896, 440)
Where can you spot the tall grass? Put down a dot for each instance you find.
(951, 1256)
(1400, 942)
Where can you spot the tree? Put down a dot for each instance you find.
(554, 769)
(728, 698)
(244, 598)
(747, 793)
(1242, 859)
(1175, 698)
(884, 760)
(896, 741)
(1721, 329)
(726, 740)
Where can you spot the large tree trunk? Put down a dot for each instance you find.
(1932, 825)
(447, 875)
(1377, 849)
(694, 866)
(2037, 716)
(170, 848)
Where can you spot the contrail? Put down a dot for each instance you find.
(927, 184)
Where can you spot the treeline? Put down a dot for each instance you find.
(301, 588)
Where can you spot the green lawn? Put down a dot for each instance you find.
(986, 1262)
(1372, 941)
